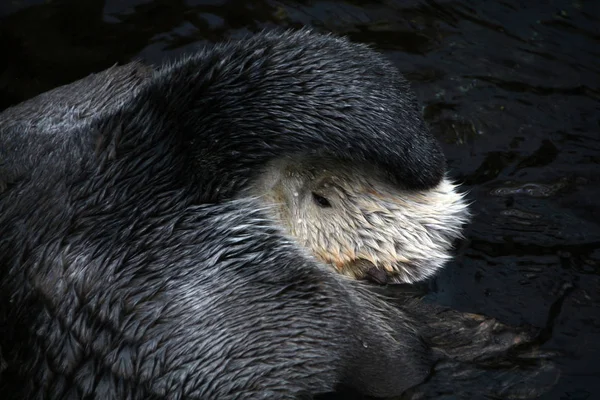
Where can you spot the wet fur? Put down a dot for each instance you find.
(129, 270)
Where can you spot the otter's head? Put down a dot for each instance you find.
(353, 218)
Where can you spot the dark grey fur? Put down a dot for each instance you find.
(127, 269)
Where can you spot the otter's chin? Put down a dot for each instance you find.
(362, 269)
(397, 273)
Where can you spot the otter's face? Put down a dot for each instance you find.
(349, 217)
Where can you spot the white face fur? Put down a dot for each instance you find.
(348, 217)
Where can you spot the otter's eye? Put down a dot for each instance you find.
(321, 201)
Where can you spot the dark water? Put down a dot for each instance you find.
(512, 90)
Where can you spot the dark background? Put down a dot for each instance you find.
(511, 90)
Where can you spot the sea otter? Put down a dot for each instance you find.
(140, 257)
